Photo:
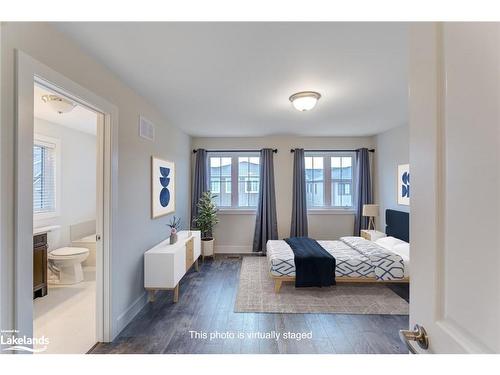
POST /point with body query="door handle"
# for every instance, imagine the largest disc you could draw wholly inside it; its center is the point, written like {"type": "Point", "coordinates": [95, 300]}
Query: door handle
{"type": "Point", "coordinates": [418, 334]}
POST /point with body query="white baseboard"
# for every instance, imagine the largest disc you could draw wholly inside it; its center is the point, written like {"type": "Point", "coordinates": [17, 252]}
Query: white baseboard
{"type": "Point", "coordinates": [129, 314]}
{"type": "Point", "coordinates": [233, 249]}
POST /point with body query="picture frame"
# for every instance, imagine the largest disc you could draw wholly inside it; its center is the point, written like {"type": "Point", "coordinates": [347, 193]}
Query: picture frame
{"type": "Point", "coordinates": [162, 187]}
{"type": "Point", "coordinates": [403, 185]}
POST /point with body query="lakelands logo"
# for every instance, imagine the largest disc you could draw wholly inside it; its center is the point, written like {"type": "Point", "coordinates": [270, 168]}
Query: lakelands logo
{"type": "Point", "coordinates": [14, 343]}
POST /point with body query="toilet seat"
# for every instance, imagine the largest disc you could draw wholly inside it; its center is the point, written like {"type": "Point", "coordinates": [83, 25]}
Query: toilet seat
{"type": "Point", "coordinates": [64, 252]}
{"type": "Point", "coordinates": [66, 262]}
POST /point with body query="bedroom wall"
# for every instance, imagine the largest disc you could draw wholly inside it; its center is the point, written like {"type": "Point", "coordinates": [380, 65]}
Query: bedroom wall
{"type": "Point", "coordinates": [392, 149]}
{"type": "Point", "coordinates": [234, 233]}
{"type": "Point", "coordinates": [135, 230]}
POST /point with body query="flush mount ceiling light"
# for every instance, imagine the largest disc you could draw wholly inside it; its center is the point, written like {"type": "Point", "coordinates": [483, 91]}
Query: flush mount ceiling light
{"type": "Point", "coordinates": [305, 100]}
{"type": "Point", "coordinates": [58, 104]}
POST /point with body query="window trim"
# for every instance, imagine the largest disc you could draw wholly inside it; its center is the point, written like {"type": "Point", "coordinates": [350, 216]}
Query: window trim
{"type": "Point", "coordinates": [331, 211]}
{"type": "Point", "coordinates": [55, 143]}
{"type": "Point", "coordinates": [237, 211]}
{"type": "Point", "coordinates": [328, 181]}
{"type": "Point", "coordinates": [234, 208]}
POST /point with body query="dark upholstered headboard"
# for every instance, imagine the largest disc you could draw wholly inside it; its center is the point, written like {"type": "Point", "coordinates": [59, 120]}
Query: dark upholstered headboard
{"type": "Point", "coordinates": [397, 224]}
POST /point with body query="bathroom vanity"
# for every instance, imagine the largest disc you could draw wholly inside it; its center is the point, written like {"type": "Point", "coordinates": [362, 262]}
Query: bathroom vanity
{"type": "Point", "coordinates": [40, 265]}
{"type": "Point", "coordinates": [40, 249]}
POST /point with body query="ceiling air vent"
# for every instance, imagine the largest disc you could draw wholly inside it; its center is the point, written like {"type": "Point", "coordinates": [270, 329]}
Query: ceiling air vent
{"type": "Point", "coordinates": [146, 129]}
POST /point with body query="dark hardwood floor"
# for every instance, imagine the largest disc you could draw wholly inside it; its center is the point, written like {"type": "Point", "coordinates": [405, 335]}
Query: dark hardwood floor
{"type": "Point", "coordinates": [206, 303]}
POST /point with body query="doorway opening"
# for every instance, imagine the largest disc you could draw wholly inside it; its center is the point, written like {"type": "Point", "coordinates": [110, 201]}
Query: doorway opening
{"type": "Point", "coordinates": [65, 211]}
{"type": "Point", "coordinates": [31, 76]}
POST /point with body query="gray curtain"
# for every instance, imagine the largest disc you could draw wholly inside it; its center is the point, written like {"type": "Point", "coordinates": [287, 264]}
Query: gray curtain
{"type": "Point", "coordinates": [266, 223]}
{"type": "Point", "coordinates": [299, 208]}
{"type": "Point", "coordinates": [200, 183]}
{"type": "Point", "coordinates": [363, 188]}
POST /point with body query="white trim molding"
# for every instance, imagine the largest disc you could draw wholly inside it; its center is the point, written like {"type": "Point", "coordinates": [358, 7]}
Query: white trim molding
{"type": "Point", "coordinates": [29, 71]}
{"type": "Point", "coordinates": [237, 211]}
{"type": "Point", "coordinates": [330, 211]}
{"type": "Point", "coordinates": [126, 317]}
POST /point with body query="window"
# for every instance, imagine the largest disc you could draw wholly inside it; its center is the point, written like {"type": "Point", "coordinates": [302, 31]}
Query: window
{"type": "Point", "coordinates": [342, 181]}
{"type": "Point", "coordinates": [248, 178]}
{"type": "Point", "coordinates": [329, 180]}
{"type": "Point", "coordinates": [44, 176]}
{"type": "Point", "coordinates": [215, 185]}
{"type": "Point", "coordinates": [251, 185]}
{"type": "Point", "coordinates": [314, 181]}
{"type": "Point", "coordinates": [220, 179]}
{"type": "Point", "coordinates": [234, 177]}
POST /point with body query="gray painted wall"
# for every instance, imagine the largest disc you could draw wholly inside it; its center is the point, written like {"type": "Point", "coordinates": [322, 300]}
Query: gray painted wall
{"type": "Point", "coordinates": [136, 230]}
{"type": "Point", "coordinates": [392, 149]}
{"type": "Point", "coordinates": [234, 233]}
{"type": "Point", "coordinates": [77, 180]}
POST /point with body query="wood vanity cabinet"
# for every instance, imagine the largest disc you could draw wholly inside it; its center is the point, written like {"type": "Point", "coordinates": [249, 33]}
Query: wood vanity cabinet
{"type": "Point", "coordinates": [39, 265]}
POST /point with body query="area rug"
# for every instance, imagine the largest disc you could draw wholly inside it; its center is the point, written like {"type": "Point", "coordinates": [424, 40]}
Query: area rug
{"type": "Point", "coordinates": [256, 294]}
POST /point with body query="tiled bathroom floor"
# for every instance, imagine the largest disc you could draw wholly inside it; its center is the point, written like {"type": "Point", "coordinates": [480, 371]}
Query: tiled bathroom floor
{"type": "Point", "coordinates": [66, 316]}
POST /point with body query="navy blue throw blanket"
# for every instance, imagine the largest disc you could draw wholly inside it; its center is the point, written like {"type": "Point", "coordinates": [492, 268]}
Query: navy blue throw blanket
{"type": "Point", "coordinates": [314, 266]}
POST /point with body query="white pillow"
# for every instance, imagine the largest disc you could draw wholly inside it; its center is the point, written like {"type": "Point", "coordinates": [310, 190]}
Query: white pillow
{"type": "Point", "coordinates": [402, 249]}
{"type": "Point", "coordinates": [389, 242]}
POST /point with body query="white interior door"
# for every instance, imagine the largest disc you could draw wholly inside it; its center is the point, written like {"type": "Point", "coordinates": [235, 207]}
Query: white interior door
{"type": "Point", "coordinates": [455, 166]}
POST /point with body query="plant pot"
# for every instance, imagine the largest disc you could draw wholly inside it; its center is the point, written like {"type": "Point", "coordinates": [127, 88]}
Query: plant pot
{"type": "Point", "coordinates": [207, 247]}
{"type": "Point", "coordinates": [173, 238]}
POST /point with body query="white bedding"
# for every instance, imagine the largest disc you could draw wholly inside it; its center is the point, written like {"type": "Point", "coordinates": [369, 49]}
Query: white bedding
{"type": "Point", "coordinates": [389, 242]}
{"type": "Point", "coordinates": [399, 247]}
{"type": "Point", "coordinates": [355, 257]}
{"type": "Point", "coordinates": [349, 262]}
{"type": "Point", "coordinates": [403, 250]}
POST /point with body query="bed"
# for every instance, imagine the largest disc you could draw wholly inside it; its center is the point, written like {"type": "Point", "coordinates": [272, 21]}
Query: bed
{"type": "Point", "coordinates": [357, 260]}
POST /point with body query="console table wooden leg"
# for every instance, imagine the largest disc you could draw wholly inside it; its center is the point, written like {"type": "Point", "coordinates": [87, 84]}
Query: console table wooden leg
{"type": "Point", "coordinates": [176, 293]}
{"type": "Point", "coordinates": [196, 265]}
{"type": "Point", "coordinates": [151, 295]}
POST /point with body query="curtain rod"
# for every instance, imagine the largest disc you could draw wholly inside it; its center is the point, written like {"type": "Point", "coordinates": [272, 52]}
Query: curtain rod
{"type": "Point", "coordinates": [293, 150]}
{"type": "Point", "coordinates": [275, 150]}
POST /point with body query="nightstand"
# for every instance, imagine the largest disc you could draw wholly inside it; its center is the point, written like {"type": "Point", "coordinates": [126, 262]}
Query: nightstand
{"type": "Point", "coordinates": [372, 235]}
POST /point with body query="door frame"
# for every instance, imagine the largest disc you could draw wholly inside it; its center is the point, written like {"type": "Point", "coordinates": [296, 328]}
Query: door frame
{"type": "Point", "coordinates": [28, 72]}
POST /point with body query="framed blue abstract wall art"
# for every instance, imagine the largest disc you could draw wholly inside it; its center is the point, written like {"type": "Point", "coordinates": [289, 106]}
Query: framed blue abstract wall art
{"type": "Point", "coordinates": [404, 184]}
{"type": "Point", "coordinates": [162, 187]}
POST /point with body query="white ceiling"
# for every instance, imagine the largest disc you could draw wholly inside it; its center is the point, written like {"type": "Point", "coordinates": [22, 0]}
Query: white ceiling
{"type": "Point", "coordinates": [80, 118]}
{"type": "Point", "coordinates": [234, 79]}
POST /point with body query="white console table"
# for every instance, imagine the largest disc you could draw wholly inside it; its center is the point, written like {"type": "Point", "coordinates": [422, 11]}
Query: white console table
{"type": "Point", "coordinates": [165, 264]}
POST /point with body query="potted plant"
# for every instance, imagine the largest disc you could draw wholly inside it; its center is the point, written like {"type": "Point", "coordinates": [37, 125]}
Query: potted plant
{"type": "Point", "coordinates": [205, 222]}
{"type": "Point", "coordinates": [174, 227]}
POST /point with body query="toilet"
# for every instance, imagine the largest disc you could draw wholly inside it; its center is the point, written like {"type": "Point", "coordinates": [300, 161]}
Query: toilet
{"type": "Point", "coordinates": [66, 263]}
{"type": "Point", "coordinates": [87, 242]}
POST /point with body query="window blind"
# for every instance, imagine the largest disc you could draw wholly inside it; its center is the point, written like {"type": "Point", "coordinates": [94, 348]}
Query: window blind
{"type": "Point", "coordinates": [44, 177]}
